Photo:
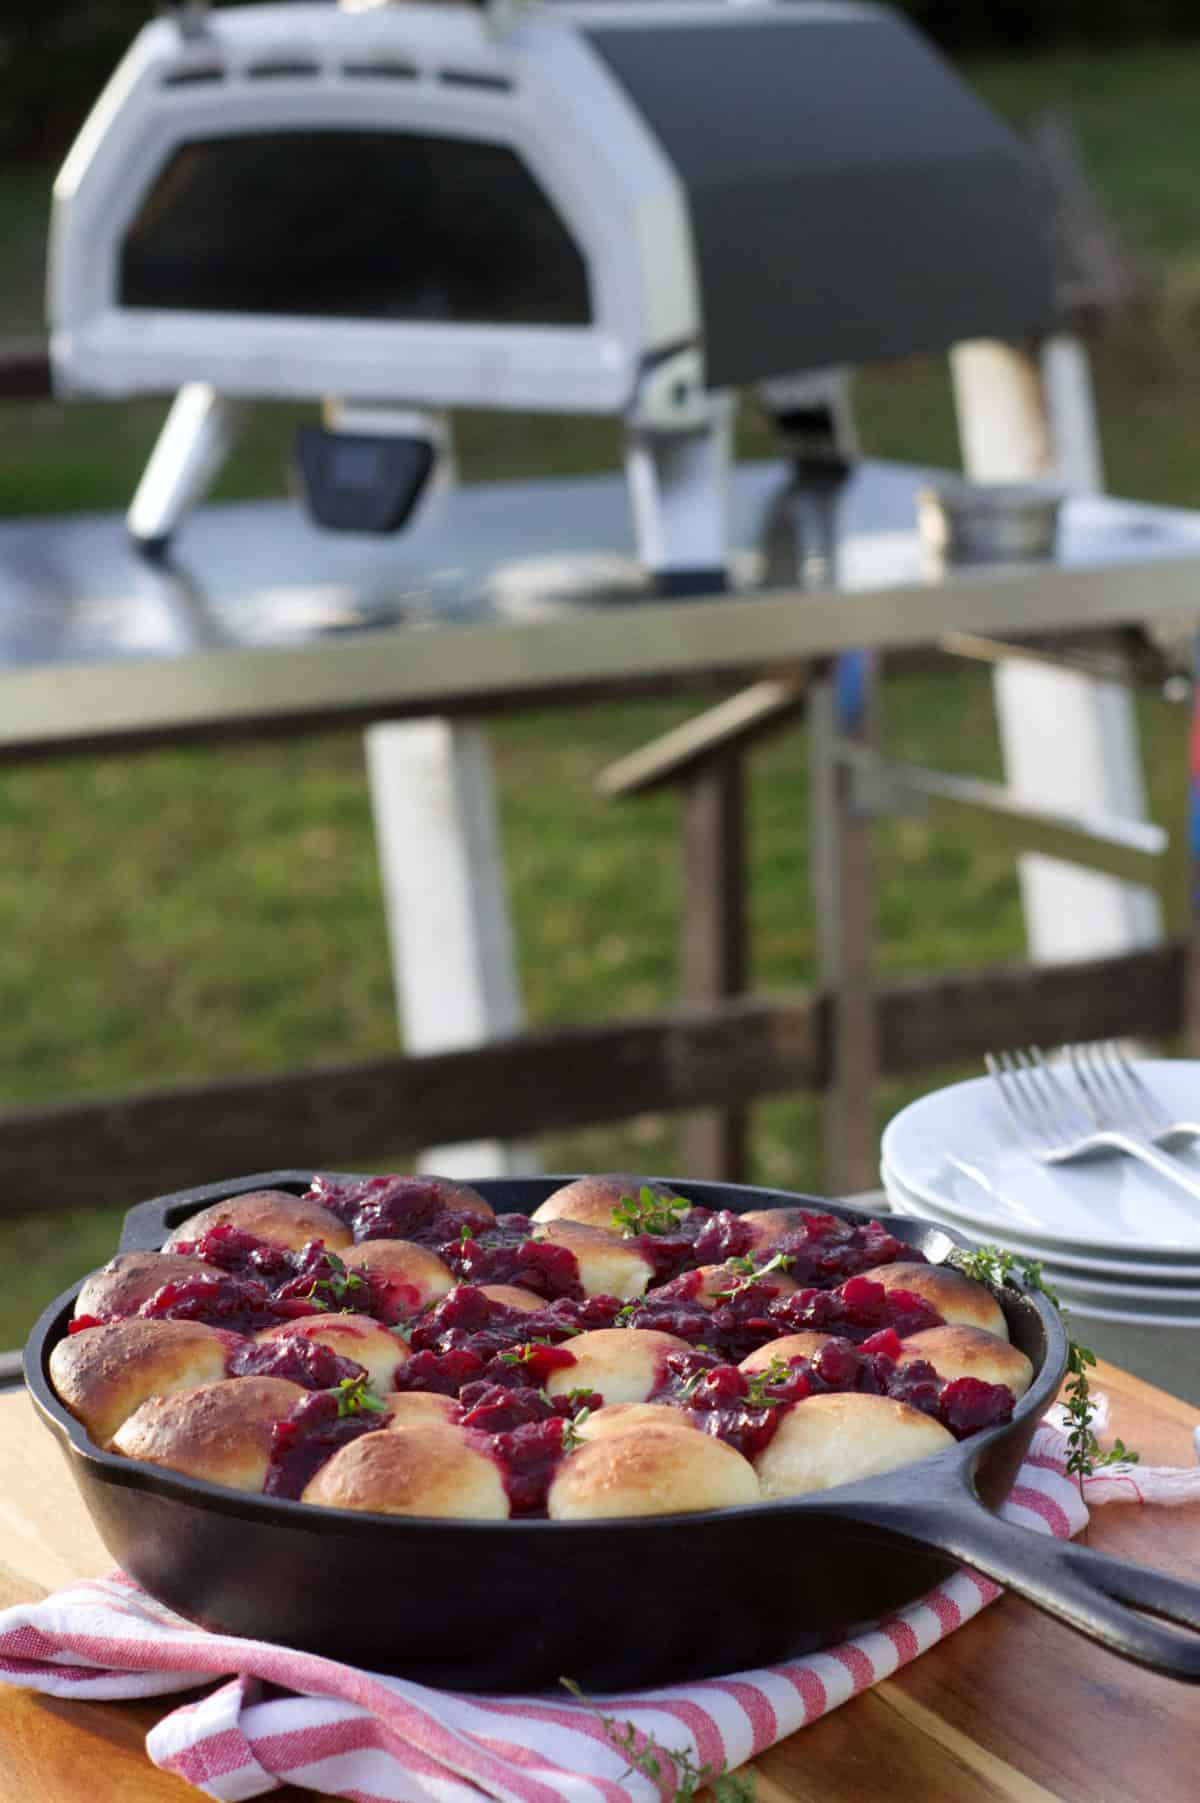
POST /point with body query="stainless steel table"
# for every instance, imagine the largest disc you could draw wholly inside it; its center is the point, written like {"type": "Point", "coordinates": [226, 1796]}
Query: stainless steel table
{"type": "Point", "coordinates": [503, 594]}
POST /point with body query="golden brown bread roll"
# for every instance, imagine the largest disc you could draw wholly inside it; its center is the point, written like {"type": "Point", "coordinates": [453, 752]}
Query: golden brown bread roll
{"type": "Point", "coordinates": [655, 1471]}
{"type": "Point", "coordinates": [716, 1282]}
{"type": "Point", "coordinates": [408, 1408]}
{"type": "Point", "coordinates": [510, 1295]}
{"type": "Point", "coordinates": [356, 1337]}
{"type": "Point", "coordinates": [631, 1417]}
{"type": "Point", "coordinates": [774, 1224]}
{"type": "Point", "coordinates": [956, 1298]}
{"type": "Point", "coordinates": [221, 1432]}
{"type": "Point", "coordinates": [272, 1215]}
{"type": "Point", "coordinates": [405, 1276]}
{"type": "Point", "coordinates": [104, 1373]}
{"type": "Point", "coordinates": [625, 1364]}
{"type": "Point", "coordinates": [789, 1346]}
{"type": "Point", "coordinates": [592, 1200]}
{"type": "Point", "coordinates": [608, 1265]}
{"type": "Point", "coordinates": [957, 1351]}
{"type": "Point", "coordinates": [427, 1469]}
{"type": "Point", "coordinates": [131, 1278]}
{"type": "Point", "coordinates": [837, 1439]}
{"type": "Point", "coordinates": [461, 1198]}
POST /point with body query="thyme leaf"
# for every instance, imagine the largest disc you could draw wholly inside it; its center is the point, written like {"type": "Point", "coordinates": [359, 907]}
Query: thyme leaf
{"type": "Point", "coordinates": [644, 1755]}
{"type": "Point", "coordinates": [355, 1398]}
{"type": "Point", "coordinates": [649, 1212]}
{"type": "Point", "coordinates": [990, 1264]}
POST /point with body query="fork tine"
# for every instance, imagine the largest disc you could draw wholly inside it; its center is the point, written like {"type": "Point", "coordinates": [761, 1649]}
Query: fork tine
{"type": "Point", "coordinates": [1002, 1073]}
{"type": "Point", "coordinates": [1107, 1079]}
{"type": "Point", "coordinates": [1141, 1097]}
{"type": "Point", "coordinates": [1042, 1102]}
{"type": "Point", "coordinates": [1080, 1064]}
{"type": "Point", "coordinates": [1069, 1115]}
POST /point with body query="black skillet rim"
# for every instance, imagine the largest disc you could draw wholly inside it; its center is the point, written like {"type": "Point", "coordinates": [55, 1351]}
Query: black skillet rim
{"type": "Point", "coordinates": [50, 1327]}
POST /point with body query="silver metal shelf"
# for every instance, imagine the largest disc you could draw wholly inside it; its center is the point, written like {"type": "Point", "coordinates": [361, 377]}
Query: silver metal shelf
{"type": "Point", "coordinates": [503, 594]}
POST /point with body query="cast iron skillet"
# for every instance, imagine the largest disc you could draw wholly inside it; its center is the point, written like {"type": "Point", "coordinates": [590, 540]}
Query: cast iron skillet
{"type": "Point", "coordinates": [612, 1604]}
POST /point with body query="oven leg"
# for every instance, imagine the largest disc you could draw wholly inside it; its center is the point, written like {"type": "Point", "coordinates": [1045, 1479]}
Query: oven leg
{"type": "Point", "coordinates": [197, 437]}
{"type": "Point", "coordinates": [679, 488]}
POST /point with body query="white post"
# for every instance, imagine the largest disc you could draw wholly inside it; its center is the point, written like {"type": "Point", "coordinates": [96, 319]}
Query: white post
{"type": "Point", "coordinates": [1069, 741]}
{"type": "Point", "coordinates": [447, 908]}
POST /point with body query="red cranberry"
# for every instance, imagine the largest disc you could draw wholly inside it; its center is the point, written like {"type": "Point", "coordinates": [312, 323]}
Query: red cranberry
{"type": "Point", "coordinates": [747, 1430]}
{"type": "Point", "coordinates": [837, 1364]}
{"type": "Point", "coordinates": [722, 1385]}
{"type": "Point", "coordinates": [967, 1404]}
{"type": "Point", "coordinates": [528, 1457]}
{"type": "Point", "coordinates": [722, 1237]}
{"type": "Point", "coordinates": [494, 1410]}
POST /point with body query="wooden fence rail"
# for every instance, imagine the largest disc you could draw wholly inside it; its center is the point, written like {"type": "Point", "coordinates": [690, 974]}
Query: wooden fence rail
{"type": "Point", "coordinates": [733, 1052]}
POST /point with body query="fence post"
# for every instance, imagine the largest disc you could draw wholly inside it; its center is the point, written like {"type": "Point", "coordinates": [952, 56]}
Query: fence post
{"type": "Point", "coordinates": [712, 947]}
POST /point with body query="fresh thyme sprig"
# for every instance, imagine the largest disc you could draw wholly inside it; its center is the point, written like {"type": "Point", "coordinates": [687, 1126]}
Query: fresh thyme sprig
{"type": "Point", "coordinates": [750, 1273]}
{"type": "Point", "coordinates": [990, 1264]}
{"type": "Point", "coordinates": [777, 1372]}
{"type": "Point", "coordinates": [649, 1212]}
{"type": "Point", "coordinates": [572, 1439]}
{"type": "Point", "coordinates": [646, 1756]}
{"type": "Point", "coordinates": [340, 1283]}
{"type": "Point", "coordinates": [354, 1398]}
{"type": "Point", "coordinates": [521, 1355]}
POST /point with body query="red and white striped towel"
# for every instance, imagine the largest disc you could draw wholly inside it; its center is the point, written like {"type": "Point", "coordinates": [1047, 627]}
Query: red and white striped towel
{"type": "Point", "coordinates": [289, 1717]}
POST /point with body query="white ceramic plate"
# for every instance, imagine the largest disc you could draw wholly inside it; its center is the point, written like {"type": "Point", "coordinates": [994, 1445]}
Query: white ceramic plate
{"type": "Point", "coordinates": [957, 1148]}
{"type": "Point", "coordinates": [1137, 1304]}
{"type": "Point", "coordinates": [1068, 1263]}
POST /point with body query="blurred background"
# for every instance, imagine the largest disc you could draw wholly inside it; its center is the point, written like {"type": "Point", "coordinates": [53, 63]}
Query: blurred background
{"type": "Point", "coordinates": [208, 912]}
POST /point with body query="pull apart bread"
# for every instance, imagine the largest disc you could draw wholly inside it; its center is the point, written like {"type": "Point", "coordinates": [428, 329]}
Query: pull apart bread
{"type": "Point", "coordinates": [392, 1345]}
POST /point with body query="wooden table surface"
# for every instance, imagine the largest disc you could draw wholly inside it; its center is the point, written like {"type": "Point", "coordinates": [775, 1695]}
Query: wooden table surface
{"type": "Point", "coordinates": [1013, 1706]}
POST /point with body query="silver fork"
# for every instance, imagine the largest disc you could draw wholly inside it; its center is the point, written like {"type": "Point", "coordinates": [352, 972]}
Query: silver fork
{"type": "Point", "coordinates": [1057, 1129]}
{"type": "Point", "coordinates": [1105, 1071]}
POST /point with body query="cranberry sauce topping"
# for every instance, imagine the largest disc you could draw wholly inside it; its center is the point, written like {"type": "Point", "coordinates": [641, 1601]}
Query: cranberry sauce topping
{"type": "Point", "coordinates": [827, 1250]}
{"type": "Point", "coordinates": [528, 1458]}
{"type": "Point", "coordinates": [745, 1408]}
{"type": "Point", "coordinates": [220, 1300]}
{"type": "Point", "coordinates": [467, 1320]}
{"type": "Point", "coordinates": [323, 1280]}
{"type": "Point", "coordinates": [310, 1433]}
{"type": "Point", "coordinates": [424, 1210]}
{"type": "Point", "coordinates": [384, 1208]}
{"type": "Point", "coordinates": [855, 1311]}
{"type": "Point", "coordinates": [302, 1361]}
{"type": "Point", "coordinates": [444, 1373]}
{"type": "Point", "coordinates": [231, 1249]}
{"type": "Point", "coordinates": [500, 1257]}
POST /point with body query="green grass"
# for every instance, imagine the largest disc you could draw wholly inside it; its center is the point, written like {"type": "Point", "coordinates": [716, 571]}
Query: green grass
{"type": "Point", "coordinates": [205, 912]}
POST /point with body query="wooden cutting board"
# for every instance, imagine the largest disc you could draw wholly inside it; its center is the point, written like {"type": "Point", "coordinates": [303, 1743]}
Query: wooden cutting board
{"type": "Point", "coordinates": [1011, 1707]}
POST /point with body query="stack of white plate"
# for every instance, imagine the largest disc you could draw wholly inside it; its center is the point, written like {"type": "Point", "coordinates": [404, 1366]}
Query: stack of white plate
{"type": "Point", "coordinates": [1119, 1244]}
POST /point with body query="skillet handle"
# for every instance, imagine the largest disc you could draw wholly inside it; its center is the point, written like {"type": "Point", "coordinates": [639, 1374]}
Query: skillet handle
{"type": "Point", "coordinates": [1137, 1612]}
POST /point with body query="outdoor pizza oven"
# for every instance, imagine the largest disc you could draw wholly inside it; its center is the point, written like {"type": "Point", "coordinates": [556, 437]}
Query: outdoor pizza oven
{"type": "Point", "coordinates": [627, 208]}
